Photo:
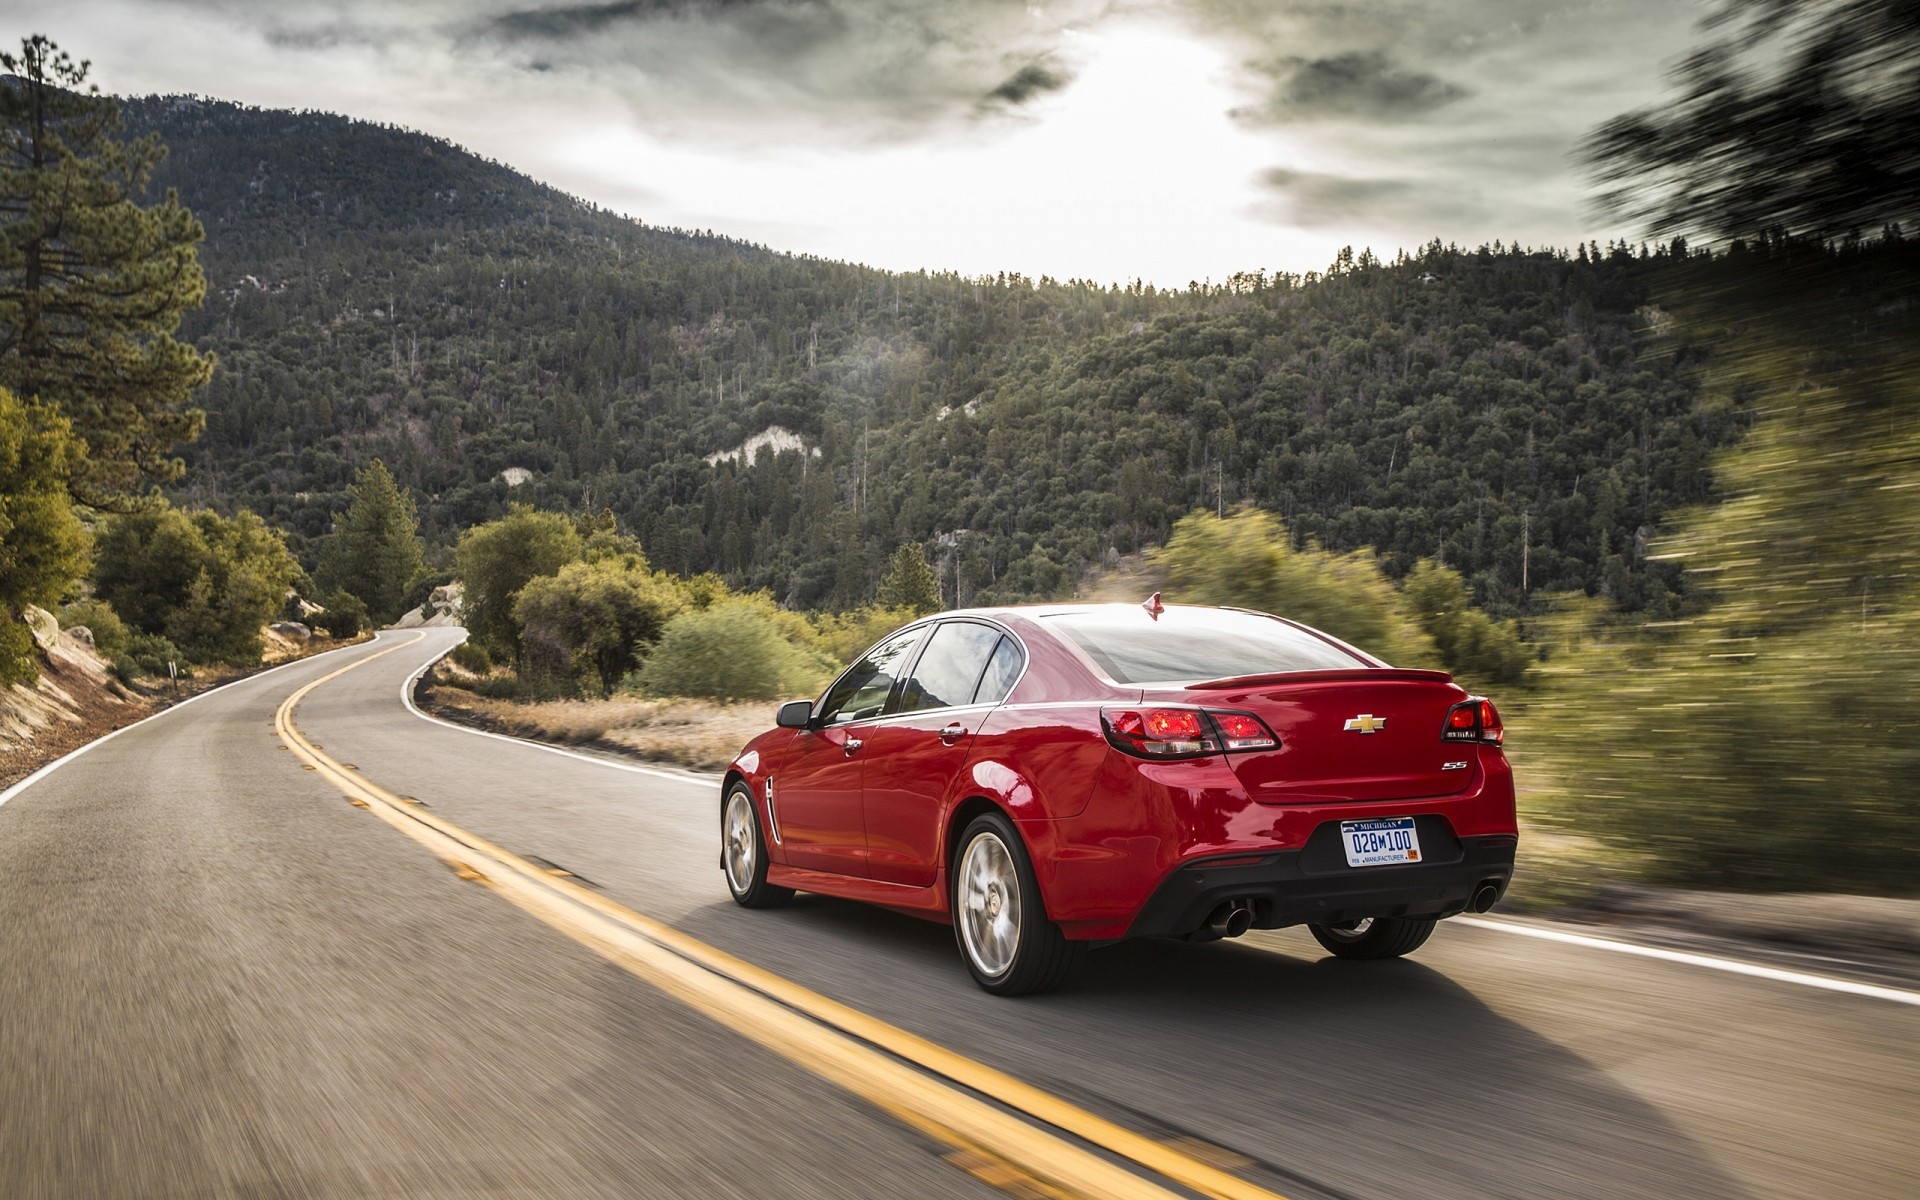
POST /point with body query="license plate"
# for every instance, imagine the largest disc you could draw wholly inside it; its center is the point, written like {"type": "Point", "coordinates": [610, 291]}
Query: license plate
{"type": "Point", "coordinates": [1377, 843]}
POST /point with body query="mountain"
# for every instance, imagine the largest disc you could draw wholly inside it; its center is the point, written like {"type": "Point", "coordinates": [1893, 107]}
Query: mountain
{"type": "Point", "coordinates": [376, 292]}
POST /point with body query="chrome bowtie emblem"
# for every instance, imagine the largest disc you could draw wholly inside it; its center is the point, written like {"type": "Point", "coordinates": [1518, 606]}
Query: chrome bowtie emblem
{"type": "Point", "coordinates": [1365, 723]}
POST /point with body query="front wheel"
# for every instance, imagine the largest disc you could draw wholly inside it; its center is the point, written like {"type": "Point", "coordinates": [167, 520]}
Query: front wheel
{"type": "Point", "coordinates": [743, 853]}
{"type": "Point", "coordinates": [1374, 937]}
{"type": "Point", "coordinates": [1009, 945]}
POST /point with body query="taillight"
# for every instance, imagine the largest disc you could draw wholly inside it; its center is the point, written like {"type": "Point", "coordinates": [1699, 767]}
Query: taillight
{"type": "Point", "coordinates": [1184, 732]}
{"type": "Point", "coordinates": [1473, 720]}
{"type": "Point", "coordinates": [1243, 731]}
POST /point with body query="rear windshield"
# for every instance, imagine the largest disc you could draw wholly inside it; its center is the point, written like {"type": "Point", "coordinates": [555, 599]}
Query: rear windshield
{"type": "Point", "coordinates": [1194, 644]}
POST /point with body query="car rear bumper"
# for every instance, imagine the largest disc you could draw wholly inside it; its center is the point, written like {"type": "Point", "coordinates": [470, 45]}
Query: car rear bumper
{"type": "Point", "coordinates": [1314, 885]}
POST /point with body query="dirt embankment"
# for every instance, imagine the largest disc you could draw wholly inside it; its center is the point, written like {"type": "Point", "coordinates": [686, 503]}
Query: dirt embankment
{"type": "Point", "coordinates": [75, 700]}
{"type": "Point", "coordinates": [77, 697]}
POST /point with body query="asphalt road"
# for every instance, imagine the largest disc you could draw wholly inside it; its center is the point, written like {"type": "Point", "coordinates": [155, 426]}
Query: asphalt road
{"type": "Point", "coordinates": [219, 978]}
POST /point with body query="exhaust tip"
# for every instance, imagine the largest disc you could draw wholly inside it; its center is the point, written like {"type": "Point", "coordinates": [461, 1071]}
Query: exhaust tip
{"type": "Point", "coordinates": [1239, 920]}
{"type": "Point", "coordinates": [1484, 896]}
{"type": "Point", "coordinates": [1230, 919]}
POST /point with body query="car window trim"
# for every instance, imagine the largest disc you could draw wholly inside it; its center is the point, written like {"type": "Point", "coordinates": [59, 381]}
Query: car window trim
{"type": "Point", "coordinates": [819, 703]}
{"type": "Point", "coordinates": [939, 623]}
{"type": "Point", "coordinates": [1026, 663]}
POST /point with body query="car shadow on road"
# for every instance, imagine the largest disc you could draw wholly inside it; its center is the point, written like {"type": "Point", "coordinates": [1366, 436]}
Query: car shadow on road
{"type": "Point", "coordinates": [1352, 1079]}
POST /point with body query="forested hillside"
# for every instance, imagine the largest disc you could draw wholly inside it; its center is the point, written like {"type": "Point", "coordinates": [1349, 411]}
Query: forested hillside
{"type": "Point", "coordinates": [376, 292]}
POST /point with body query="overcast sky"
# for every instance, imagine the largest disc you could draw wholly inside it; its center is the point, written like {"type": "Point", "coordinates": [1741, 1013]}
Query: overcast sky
{"type": "Point", "coordinates": [1166, 140]}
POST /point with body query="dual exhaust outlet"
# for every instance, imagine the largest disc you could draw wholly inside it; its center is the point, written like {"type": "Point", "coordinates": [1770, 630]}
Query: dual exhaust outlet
{"type": "Point", "coordinates": [1231, 918]}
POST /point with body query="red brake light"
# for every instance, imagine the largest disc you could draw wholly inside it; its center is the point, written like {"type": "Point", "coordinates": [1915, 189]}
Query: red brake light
{"type": "Point", "coordinates": [1243, 731]}
{"type": "Point", "coordinates": [1157, 732]}
{"type": "Point", "coordinates": [1169, 724]}
{"type": "Point", "coordinates": [1184, 732]}
{"type": "Point", "coordinates": [1473, 720]}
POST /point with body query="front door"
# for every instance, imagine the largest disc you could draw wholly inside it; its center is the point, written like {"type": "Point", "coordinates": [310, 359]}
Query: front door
{"type": "Point", "coordinates": [816, 791]}
{"type": "Point", "coordinates": [914, 753]}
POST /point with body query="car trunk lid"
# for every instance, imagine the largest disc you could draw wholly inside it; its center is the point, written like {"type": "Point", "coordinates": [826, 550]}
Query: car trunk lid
{"type": "Point", "coordinates": [1364, 734]}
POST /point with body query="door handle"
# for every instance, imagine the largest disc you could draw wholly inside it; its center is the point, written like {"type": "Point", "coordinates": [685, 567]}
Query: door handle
{"type": "Point", "coordinates": [852, 746]}
{"type": "Point", "coordinates": [953, 733]}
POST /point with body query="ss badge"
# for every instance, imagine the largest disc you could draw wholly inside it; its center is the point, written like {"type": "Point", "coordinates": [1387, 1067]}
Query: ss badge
{"type": "Point", "coordinates": [1453, 766]}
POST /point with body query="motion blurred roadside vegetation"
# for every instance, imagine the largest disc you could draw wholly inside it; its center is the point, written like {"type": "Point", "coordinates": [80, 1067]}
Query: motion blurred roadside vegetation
{"type": "Point", "coordinates": [1766, 736]}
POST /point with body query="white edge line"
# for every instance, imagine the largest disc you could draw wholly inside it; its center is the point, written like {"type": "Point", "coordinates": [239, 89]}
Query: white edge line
{"type": "Point", "coordinates": [406, 698]}
{"type": "Point", "coordinates": [68, 757]}
{"type": "Point", "coordinates": [1731, 965]}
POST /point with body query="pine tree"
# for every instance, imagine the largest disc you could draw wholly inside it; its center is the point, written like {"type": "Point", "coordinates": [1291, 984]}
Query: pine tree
{"type": "Point", "coordinates": [909, 581]}
{"type": "Point", "coordinates": [374, 552]}
{"type": "Point", "coordinates": [92, 285]}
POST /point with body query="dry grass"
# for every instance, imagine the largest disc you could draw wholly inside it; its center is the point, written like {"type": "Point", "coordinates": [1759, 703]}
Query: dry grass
{"type": "Point", "coordinates": [699, 734]}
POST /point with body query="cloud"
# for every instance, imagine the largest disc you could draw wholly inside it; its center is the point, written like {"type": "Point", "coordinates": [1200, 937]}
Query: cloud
{"type": "Point", "coordinates": [1029, 81]}
{"type": "Point", "coordinates": [770, 70]}
{"type": "Point", "coordinates": [575, 20]}
{"type": "Point", "coordinates": [1360, 83]}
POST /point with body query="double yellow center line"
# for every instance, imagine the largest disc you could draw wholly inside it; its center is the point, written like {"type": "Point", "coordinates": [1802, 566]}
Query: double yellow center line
{"type": "Point", "coordinates": [922, 1084]}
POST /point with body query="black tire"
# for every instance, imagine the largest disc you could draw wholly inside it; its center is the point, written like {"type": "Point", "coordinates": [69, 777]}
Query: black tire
{"type": "Point", "coordinates": [1378, 937]}
{"type": "Point", "coordinates": [1030, 955]}
{"type": "Point", "coordinates": [743, 852]}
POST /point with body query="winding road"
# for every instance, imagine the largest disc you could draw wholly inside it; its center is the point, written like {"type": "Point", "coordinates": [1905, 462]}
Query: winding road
{"type": "Point", "coordinates": [290, 941]}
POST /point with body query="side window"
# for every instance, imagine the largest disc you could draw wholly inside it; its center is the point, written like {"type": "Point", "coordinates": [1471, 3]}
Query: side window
{"type": "Point", "coordinates": [862, 692]}
{"type": "Point", "coordinates": [949, 667]}
{"type": "Point", "coordinates": [1002, 669]}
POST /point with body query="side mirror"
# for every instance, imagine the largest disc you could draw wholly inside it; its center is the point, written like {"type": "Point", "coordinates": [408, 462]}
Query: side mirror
{"type": "Point", "coordinates": [794, 714]}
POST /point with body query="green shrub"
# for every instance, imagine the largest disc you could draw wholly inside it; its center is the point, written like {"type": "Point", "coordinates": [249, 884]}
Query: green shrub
{"type": "Point", "coordinates": [731, 650]}
{"type": "Point", "coordinates": [109, 632]}
{"type": "Point", "coordinates": [207, 583]}
{"type": "Point", "coordinates": [1248, 559]}
{"type": "Point", "coordinates": [149, 654]}
{"type": "Point", "coordinates": [344, 615]}
{"type": "Point", "coordinates": [473, 656]}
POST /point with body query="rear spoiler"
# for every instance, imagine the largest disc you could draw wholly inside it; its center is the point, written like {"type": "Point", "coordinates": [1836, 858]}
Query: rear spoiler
{"type": "Point", "coordinates": [1234, 683]}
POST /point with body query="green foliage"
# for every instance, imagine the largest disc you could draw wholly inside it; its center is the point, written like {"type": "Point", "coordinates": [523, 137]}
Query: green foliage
{"type": "Point", "coordinates": [497, 559]}
{"type": "Point", "coordinates": [43, 546]}
{"type": "Point", "coordinates": [344, 615]}
{"type": "Point", "coordinates": [595, 618]}
{"type": "Point", "coordinates": [473, 656]}
{"type": "Point", "coordinates": [909, 582]}
{"type": "Point", "coordinates": [1248, 560]}
{"type": "Point", "coordinates": [733, 649]}
{"type": "Point", "coordinates": [1767, 739]}
{"type": "Point", "coordinates": [149, 654]}
{"type": "Point", "coordinates": [1472, 644]}
{"type": "Point", "coordinates": [110, 634]}
{"type": "Point", "coordinates": [93, 284]}
{"type": "Point", "coordinates": [839, 638]}
{"type": "Point", "coordinates": [206, 582]}
{"type": "Point", "coordinates": [375, 551]}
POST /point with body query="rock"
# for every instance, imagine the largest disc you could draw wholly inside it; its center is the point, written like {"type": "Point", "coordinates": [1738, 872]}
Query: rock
{"type": "Point", "coordinates": [291, 629]}
{"type": "Point", "coordinates": [46, 628]}
{"type": "Point", "coordinates": [81, 634]}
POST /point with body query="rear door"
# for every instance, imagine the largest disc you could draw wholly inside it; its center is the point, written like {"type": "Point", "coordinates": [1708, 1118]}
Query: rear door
{"type": "Point", "coordinates": [816, 794]}
{"type": "Point", "coordinates": [914, 753]}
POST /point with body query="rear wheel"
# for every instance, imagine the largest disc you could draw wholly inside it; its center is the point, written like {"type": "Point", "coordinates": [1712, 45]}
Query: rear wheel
{"type": "Point", "coordinates": [1374, 937]}
{"type": "Point", "coordinates": [743, 853]}
{"type": "Point", "coordinates": [1009, 945]}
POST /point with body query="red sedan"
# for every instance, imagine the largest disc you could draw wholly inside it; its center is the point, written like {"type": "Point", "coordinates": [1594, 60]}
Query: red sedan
{"type": "Point", "coordinates": [1053, 777]}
